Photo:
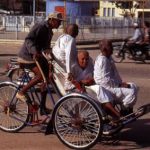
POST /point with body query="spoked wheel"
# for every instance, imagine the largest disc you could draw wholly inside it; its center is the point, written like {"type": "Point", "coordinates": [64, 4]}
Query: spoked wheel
{"type": "Point", "coordinates": [13, 113]}
{"type": "Point", "coordinates": [77, 122]}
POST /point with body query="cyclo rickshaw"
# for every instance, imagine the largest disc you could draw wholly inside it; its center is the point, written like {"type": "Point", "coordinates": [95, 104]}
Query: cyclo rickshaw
{"type": "Point", "coordinates": [78, 119]}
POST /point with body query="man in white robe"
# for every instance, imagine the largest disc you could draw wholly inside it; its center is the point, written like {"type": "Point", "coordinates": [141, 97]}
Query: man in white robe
{"type": "Point", "coordinates": [65, 50]}
{"type": "Point", "coordinates": [82, 71]}
{"type": "Point", "coordinates": [111, 88]}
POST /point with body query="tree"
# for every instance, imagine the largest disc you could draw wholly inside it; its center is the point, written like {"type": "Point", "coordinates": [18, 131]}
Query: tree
{"type": "Point", "coordinates": [128, 7]}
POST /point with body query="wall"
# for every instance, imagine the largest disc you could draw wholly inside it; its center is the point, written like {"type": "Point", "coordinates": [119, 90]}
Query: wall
{"type": "Point", "coordinates": [74, 9]}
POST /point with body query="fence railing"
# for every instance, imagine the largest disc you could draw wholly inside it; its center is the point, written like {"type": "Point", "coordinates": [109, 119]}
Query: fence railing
{"type": "Point", "coordinates": [17, 27]}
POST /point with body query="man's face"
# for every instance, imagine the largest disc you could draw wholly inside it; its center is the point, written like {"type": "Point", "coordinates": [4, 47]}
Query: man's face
{"type": "Point", "coordinates": [83, 59]}
{"type": "Point", "coordinates": [55, 23]}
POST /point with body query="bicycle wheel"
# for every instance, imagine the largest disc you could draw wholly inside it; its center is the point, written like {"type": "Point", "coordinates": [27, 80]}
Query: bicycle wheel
{"type": "Point", "coordinates": [77, 122]}
{"type": "Point", "coordinates": [13, 113]}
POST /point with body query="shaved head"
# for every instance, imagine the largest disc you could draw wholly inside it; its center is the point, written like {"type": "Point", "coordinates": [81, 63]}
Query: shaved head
{"type": "Point", "coordinates": [72, 29]}
{"type": "Point", "coordinates": [106, 47]}
{"type": "Point", "coordinates": [83, 52]}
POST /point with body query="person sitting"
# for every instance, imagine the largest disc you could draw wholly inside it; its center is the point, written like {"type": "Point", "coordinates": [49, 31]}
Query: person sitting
{"type": "Point", "coordinates": [132, 42]}
{"type": "Point", "coordinates": [137, 36]}
{"type": "Point", "coordinates": [37, 41]}
{"type": "Point", "coordinates": [142, 42]}
{"type": "Point", "coordinates": [82, 72]}
{"type": "Point", "coordinates": [111, 89]}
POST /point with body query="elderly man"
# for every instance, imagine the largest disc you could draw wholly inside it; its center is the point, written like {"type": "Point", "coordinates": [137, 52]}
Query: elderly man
{"type": "Point", "coordinates": [65, 48]}
{"type": "Point", "coordinates": [82, 71]}
{"type": "Point", "coordinates": [111, 88]}
{"type": "Point", "coordinates": [37, 41]}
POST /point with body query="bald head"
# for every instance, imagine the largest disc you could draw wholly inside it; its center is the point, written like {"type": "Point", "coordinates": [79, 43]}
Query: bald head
{"type": "Point", "coordinates": [83, 58]}
{"type": "Point", "coordinates": [106, 47]}
{"type": "Point", "coordinates": [72, 29]}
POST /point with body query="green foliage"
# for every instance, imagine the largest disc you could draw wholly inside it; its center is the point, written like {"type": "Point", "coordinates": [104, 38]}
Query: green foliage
{"type": "Point", "coordinates": [124, 5]}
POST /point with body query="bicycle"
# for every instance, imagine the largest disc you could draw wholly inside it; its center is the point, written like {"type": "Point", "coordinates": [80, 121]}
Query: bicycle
{"type": "Point", "coordinates": [78, 119]}
{"type": "Point", "coordinates": [20, 114]}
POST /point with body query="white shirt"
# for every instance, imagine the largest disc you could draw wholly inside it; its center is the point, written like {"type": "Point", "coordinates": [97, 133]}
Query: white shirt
{"type": "Point", "coordinates": [105, 72]}
{"type": "Point", "coordinates": [65, 50]}
{"type": "Point", "coordinates": [80, 74]}
{"type": "Point", "coordinates": [137, 37]}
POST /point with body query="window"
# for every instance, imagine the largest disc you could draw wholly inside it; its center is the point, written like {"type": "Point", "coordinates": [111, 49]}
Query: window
{"type": "Point", "coordinates": [113, 12]}
{"type": "Point", "coordinates": [104, 12]}
{"type": "Point", "coordinates": [109, 12]}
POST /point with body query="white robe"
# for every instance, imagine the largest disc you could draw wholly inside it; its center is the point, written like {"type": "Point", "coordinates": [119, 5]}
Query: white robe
{"type": "Point", "coordinates": [80, 74]}
{"type": "Point", "coordinates": [65, 51]}
{"type": "Point", "coordinates": [108, 79]}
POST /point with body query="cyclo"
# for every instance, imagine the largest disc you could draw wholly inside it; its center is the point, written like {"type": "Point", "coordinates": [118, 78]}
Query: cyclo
{"type": "Point", "coordinates": [78, 119]}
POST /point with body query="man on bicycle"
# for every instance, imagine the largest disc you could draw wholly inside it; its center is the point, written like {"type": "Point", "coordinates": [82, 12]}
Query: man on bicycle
{"type": "Point", "coordinates": [37, 41]}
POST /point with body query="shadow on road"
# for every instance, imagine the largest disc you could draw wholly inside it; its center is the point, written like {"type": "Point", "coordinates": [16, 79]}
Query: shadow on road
{"type": "Point", "coordinates": [134, 136]}
{"type": "Point", "coordinates": [138, 132]}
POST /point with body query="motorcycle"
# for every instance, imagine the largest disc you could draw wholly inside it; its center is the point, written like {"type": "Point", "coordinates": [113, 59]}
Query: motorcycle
{"type": "Point", "coordinates": [137, 54]}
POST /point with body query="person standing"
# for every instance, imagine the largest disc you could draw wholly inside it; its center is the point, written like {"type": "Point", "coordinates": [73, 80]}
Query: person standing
{"type": "Point", "coordinates": [64, 50]}
{"type": "Point", "coordinates": [37, 41]}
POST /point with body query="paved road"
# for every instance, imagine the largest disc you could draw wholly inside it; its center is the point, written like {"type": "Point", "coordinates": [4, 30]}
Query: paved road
{"type": "Point", "coordinates": [135, 136]}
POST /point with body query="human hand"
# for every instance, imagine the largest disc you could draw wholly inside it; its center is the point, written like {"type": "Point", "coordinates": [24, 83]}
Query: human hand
{"type": "Point", "coordinates": [125, 85]}
{"type": "Point", "coordinates": [48, 54]}
{"type": "Point", "coordinates": [78, 86]}
{"type": "Point", "coordinates": [70, 76]}
{"type": "Point", "coordinates": [88, 81]}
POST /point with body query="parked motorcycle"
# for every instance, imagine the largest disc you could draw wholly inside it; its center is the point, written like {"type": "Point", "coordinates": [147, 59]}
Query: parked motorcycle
{"type": "Point", "coordinates": [140, 54]}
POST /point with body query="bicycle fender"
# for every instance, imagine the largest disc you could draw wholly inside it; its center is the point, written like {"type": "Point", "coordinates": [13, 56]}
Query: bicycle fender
{"type": "Point", "coordinates": [10, 71]}
{"type": "Point", "coordinates": [8, 83]}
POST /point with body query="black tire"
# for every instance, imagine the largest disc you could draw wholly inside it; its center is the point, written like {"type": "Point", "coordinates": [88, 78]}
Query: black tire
{"type": "Point", "coordinates": [77, 122]}
{"type": "Point", "coordinates": [13, 113]}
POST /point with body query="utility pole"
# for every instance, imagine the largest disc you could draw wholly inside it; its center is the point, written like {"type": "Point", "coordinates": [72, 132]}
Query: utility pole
{"type": "Point", "coordinates": [65, 13]}
{"type": "Point", "coordinates": [33, 12]}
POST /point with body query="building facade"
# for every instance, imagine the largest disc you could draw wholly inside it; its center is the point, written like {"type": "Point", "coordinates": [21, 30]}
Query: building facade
{"type": "Point", "coordinates": [74, 8]}
{"type": "Point", "coordinates": [109, 9]}
{"type": "Point", "coordinates": [22, 7]}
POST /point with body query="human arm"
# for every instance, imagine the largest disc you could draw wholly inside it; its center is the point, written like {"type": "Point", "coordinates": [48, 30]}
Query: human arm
{"type": "Point", "coordinates": [104, 73]}
{"type": "Point", "coordinates": [71, 54]}
{"type": "Point", "coordinates": [87, 82]}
